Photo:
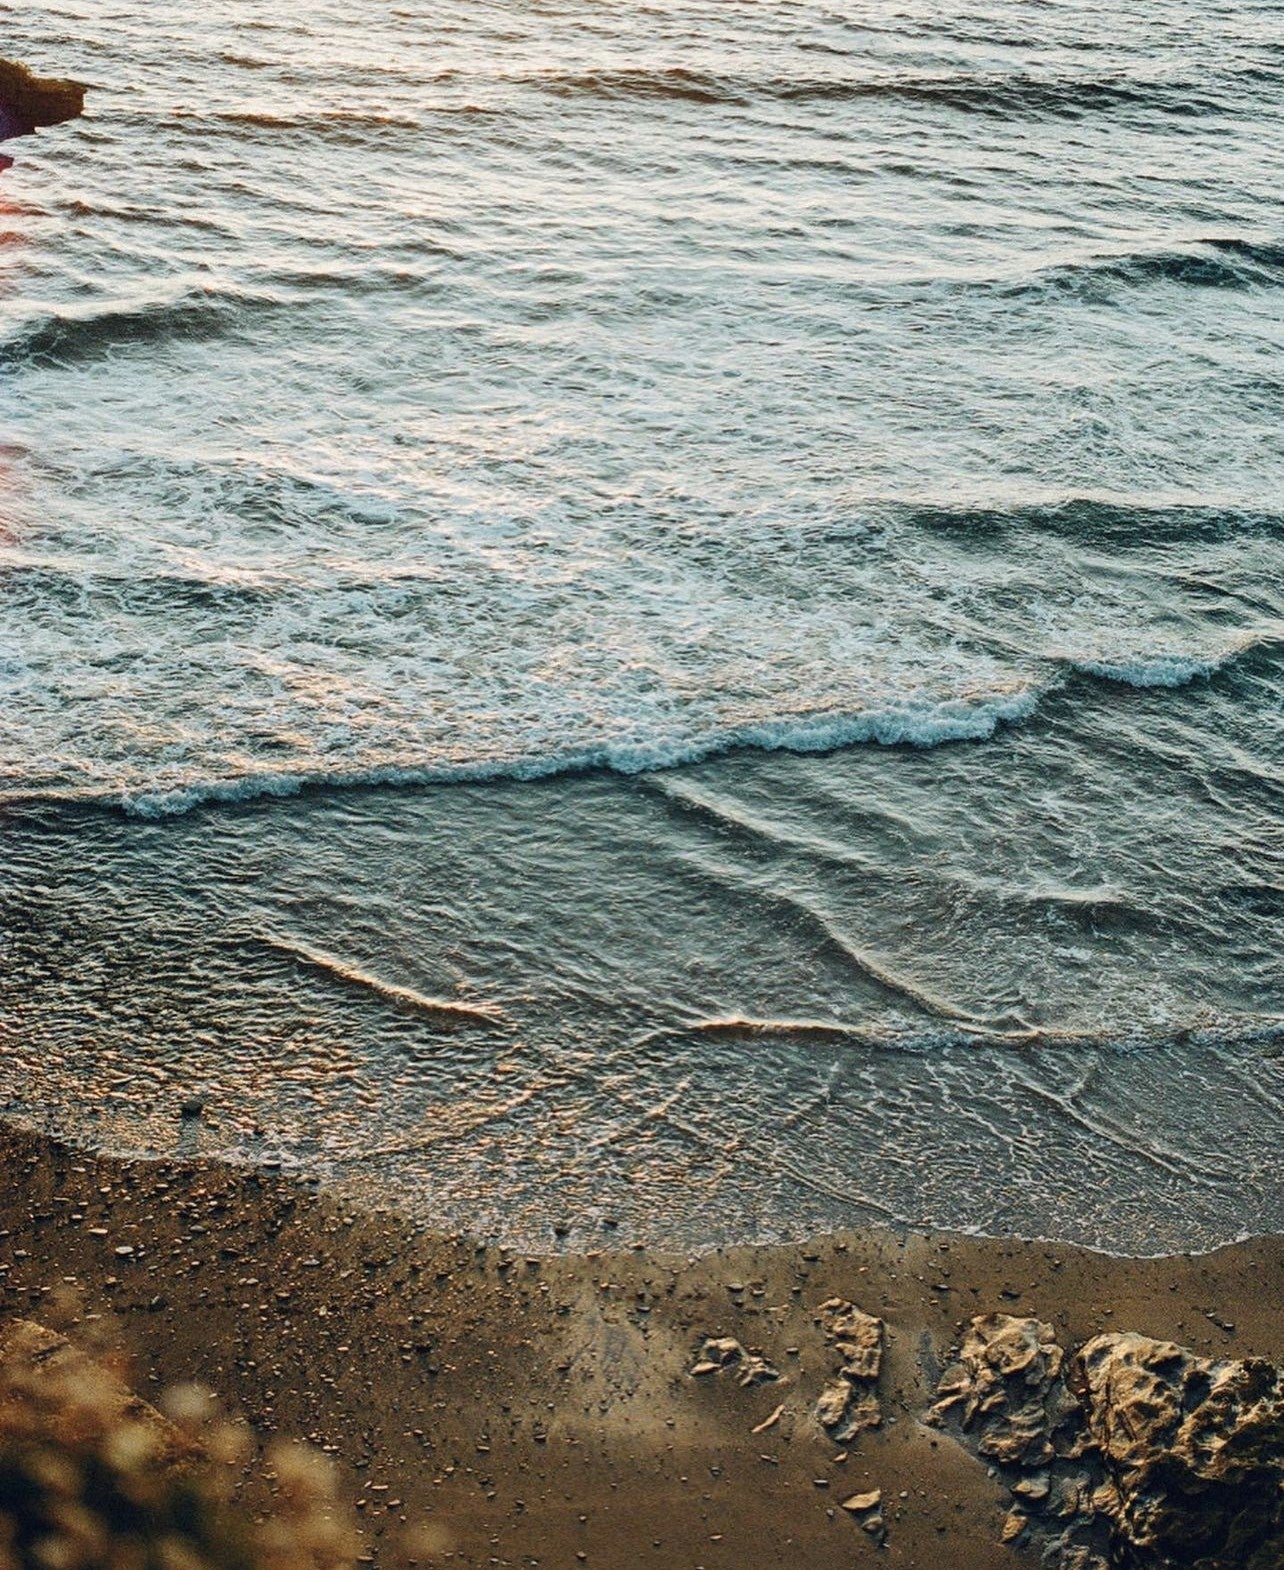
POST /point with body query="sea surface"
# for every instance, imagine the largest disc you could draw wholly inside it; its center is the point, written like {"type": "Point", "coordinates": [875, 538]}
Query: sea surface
{"type": "Point", "coordinates": [657, 621]}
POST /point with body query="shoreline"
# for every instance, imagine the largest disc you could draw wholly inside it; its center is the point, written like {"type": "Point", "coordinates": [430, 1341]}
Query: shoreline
{"type": "Point", "coordinates": [541, 1409]}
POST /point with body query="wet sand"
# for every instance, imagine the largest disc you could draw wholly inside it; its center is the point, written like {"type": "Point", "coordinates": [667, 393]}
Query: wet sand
{"type": "Point", "coordinates": [488, 1408]}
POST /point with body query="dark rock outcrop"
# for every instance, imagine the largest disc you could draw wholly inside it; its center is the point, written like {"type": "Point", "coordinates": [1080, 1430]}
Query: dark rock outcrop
{"type": "Point", "coordinates": [29, 102]}
{"type": "Point", "coordinates": [1132, 1453]}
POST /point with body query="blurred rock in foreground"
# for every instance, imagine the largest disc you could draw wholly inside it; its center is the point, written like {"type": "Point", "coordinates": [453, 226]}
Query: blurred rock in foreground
{"type": "Point", "coordinates": [93, 1478]}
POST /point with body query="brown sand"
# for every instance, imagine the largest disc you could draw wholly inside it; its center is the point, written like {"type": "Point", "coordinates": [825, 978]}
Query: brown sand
{"type": "Point", "coordinates": [489, 1409]}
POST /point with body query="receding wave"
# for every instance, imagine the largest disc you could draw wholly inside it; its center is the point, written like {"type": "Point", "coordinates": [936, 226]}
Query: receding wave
{"type": "Point", "coordinates": [987, 93]}
{"type": "Point", "coordinates": [440, 1011]}
{"type": "Point", "coordinates": [821, 1032]}
{"type": "Point", "coordinates": [62, 340]}
{"type": "Point", "coordinates": [1262, 1032]}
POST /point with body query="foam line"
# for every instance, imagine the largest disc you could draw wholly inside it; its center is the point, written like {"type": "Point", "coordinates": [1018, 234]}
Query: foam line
{"type": "Point", "coordinates": [439, 1010]}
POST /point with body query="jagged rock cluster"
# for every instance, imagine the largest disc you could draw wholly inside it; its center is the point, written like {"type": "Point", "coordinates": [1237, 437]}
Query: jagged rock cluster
{"type": "Point", "coordinates": [1193, 1450]}
{"type": "Point", "coordinates": [1008, 1389]}
{"type": "Point", "coordinates": [849, 1404]}
{"type": "Point", "coordinates": [722, 1352]}
{"type": "Point", "coordinates": [1133, 1452]}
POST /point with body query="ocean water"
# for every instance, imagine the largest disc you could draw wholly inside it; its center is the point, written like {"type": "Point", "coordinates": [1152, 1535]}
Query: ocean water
{"type": "Point", "coordinates": [662, 617]}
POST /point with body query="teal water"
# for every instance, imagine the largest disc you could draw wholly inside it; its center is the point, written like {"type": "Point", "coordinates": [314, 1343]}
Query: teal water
{"type": "Point", "coordinates": [656, 616]}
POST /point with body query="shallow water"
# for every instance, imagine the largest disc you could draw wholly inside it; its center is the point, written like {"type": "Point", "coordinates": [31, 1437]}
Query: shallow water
{"type": "Point", "coordinates": [756, 531]}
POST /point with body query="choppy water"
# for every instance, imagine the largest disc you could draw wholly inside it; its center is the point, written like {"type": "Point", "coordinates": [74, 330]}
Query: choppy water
{"type": "Point", "coordinates": [756, 529]}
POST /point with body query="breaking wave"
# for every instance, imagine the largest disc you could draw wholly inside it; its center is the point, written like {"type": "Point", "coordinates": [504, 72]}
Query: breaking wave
{"type": "Point", "coordinates": [896, 725]}
{"type": "Point", "coordinates": [1176, 670]}
{"type": "Point", "coordinates": [908, 723]}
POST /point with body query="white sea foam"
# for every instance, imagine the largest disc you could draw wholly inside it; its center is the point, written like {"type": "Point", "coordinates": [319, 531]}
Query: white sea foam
{"type": "Point", "coordinates": [500, 455]}
{"type": "Point", "coordinates": [907, 723]}
{"type": "Point", "coordinates": [904, 725]}
{"type": "Point", "coordinates": [1162, 670]}
{"type": "Point", "coordinates": [160, 691]}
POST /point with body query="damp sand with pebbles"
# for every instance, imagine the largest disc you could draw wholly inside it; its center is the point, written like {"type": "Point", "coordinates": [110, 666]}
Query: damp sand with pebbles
{"type": "Point", "coordinates": [514, 1409]}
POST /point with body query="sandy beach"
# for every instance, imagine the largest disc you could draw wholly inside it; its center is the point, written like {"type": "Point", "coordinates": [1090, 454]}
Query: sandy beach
{"type": "Point", "coordinates": [484, 1408]}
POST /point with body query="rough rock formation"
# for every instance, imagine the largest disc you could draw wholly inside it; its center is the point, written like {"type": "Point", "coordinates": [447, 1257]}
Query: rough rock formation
{"type": "Point", "coordinates": [722, 1352]}
{"type": "Point", "coordinates": [849, 1404]}
{"type": "Point", "coordinates": [1007, 1385]}
{"type": "Point", "coordinates": [1193, 1451]}
{"type": "Point", "coordinates": [28, 102]}
{"type": "Point", "coordinates": [1132, 1453]}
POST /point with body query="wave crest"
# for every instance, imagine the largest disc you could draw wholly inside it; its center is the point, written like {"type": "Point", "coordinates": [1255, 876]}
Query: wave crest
{"type": "Point", "coordinates": [907, 724]}
{"type": "Point", "coordinates": [983, 93]}
{"type": "Point", "coordinates": [898, 724]}
{"type": "Point", "coordinates": [65, 340]}
{"type": "Point", "coordinates": [1217, 263]}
